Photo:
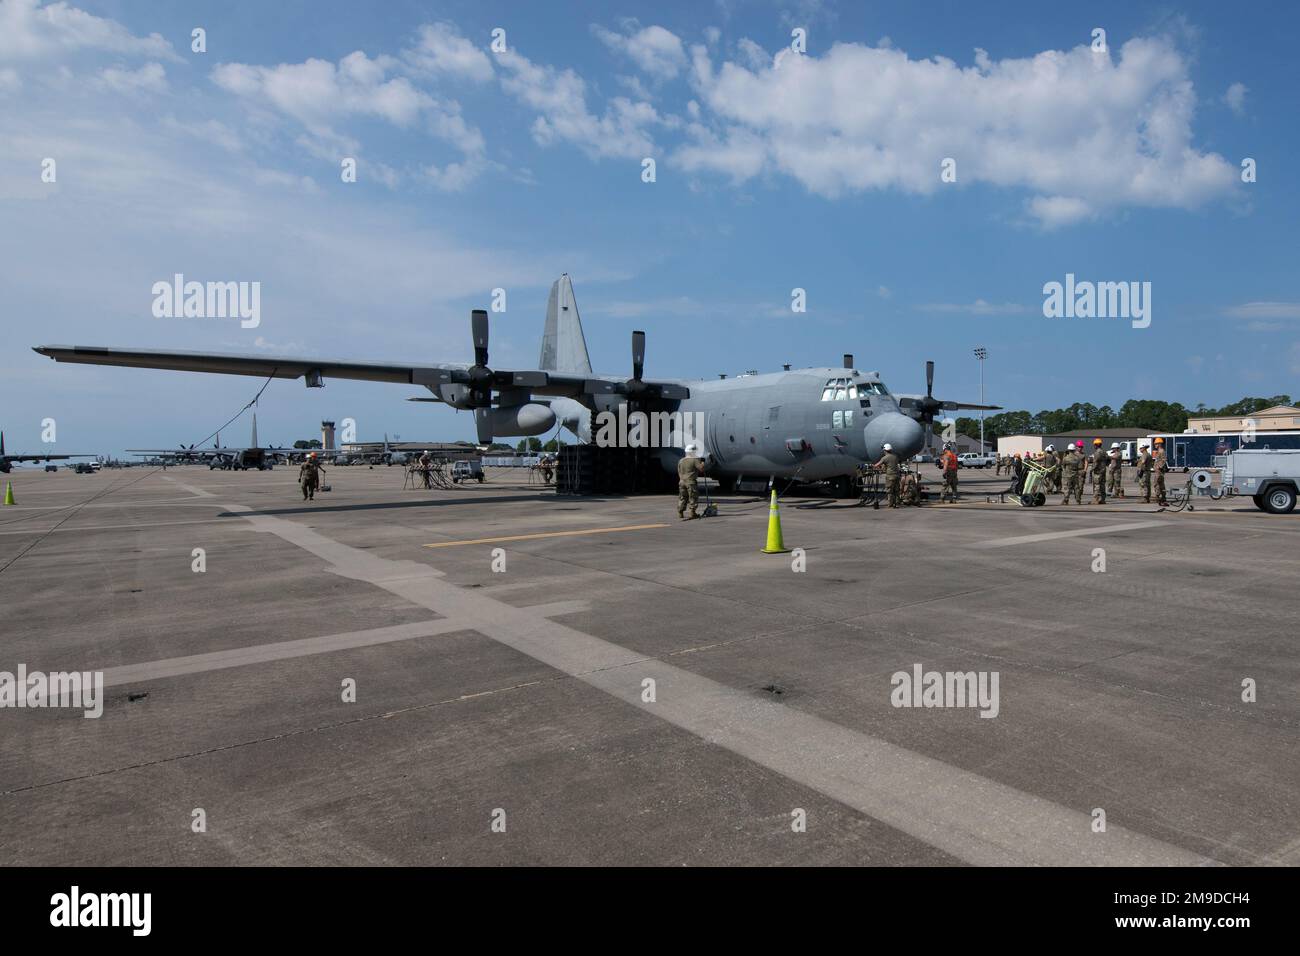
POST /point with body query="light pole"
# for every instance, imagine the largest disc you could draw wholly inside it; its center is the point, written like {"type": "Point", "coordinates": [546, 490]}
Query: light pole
{"type": "Point", "coordinates": [981, 354]}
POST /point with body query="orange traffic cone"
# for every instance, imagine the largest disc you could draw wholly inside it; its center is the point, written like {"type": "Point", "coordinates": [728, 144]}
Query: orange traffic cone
{"type": "Point", "coordinates": [9, 492]}
{"type": "Point", "coordinates": [775, 543]}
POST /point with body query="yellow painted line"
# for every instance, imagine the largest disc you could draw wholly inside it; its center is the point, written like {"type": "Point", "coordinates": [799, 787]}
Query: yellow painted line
{"type": "Point", "coordinates": [544, 534]}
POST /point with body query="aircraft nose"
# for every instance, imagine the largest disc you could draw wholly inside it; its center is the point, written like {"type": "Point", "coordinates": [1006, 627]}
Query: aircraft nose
{"type": "Point", "coordinates": [901, 431]}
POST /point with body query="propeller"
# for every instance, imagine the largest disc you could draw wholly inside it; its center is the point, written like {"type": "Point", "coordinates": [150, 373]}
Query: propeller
{"type": "Point", "coordinates": [929, 405]}
{"type": "Point", "coordinates": [481, 379]}
{"type": "Point", "coordinates": [635, 387]}
{"type": "Point", "coordinates": [926, 406]}
{"type": "Point", "coordinates": [483, 424]}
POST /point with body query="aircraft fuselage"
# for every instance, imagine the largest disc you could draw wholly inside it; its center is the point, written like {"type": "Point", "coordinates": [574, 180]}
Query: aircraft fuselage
{"type": "Point", "coordinates": [813, 424]}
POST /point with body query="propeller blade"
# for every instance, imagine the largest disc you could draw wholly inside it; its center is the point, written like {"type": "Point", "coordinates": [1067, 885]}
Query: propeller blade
{"type": "Point", "coordinates": [483, 424]}
{"type": "Point", "coordinates": [478, 321]}
{"type": "Point", "coordinates": [929, 379]}
{"type": "Point", "coordinates": [638, 355]}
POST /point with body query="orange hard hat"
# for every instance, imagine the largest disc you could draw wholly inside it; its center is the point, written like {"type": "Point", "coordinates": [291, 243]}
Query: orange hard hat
{"type": "Point", "coordinates": [1096, 441]}
{"type": "Point", "coordinates": [1160, 441]}
{"type": "Point", "coordinates": [313, 454]}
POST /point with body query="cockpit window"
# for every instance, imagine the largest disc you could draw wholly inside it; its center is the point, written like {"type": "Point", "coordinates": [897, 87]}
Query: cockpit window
{"type": "Point", "coordinates": [842, 389]}
{"type": "Point", "coordinates": [874, 388]}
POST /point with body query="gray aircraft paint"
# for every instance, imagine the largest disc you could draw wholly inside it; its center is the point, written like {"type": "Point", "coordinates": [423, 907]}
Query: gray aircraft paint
{"type": "Point", "coordinates": [564, 347]}
{"type": "Point", "coordinates": [742, 433]}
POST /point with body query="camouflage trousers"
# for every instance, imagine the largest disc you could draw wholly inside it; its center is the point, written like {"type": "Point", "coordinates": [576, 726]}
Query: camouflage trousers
{"type": "Point", "coordinates": [949, 485]}
{"type": "Point", "coordinates": [1144, 480]}
{"type": "Point", "coordinates": [308, 488]}
{"type": "Point", "coordinates": [1116, 481]}
{"type": "Point", "coordinates": [1098, 489]}
{"type": "Point", "coordinates": [892, 483]}
{"type": "Point", "coordinates": [688, 495]}
{"type": "Point", "coordinates": [1160, 488]}
{"type": "Point", "coordinates": [1072, 484]}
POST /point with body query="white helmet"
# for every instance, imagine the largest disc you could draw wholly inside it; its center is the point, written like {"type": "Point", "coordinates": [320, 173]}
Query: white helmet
{"type": "Point", "coordinates": [1051, 448]}
{"type": "Point", "coordinates": [692, 448]}
{"type": "Point", "coordinates": [888, 446]}
{"type": "Point", "coordinates": [1114, 444]}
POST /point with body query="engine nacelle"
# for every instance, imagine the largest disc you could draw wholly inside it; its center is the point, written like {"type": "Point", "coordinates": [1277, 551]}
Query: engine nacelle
{"type": "Point", "coordinates": [527, 419]}
{"type": "Point", "coordinates": [457, 396]}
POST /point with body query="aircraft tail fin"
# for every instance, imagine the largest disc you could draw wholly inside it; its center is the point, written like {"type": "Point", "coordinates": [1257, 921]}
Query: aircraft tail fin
{"type": "Point", "coordinates": [564, 347]}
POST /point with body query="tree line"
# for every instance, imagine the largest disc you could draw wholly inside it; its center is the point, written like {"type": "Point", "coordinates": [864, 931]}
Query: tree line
{"type": "Point", "coordinates": [1146, 414]}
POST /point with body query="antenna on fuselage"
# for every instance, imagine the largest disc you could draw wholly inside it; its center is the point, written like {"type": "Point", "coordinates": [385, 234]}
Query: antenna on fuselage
{"type": "Point", "coordinates": [848, 360]}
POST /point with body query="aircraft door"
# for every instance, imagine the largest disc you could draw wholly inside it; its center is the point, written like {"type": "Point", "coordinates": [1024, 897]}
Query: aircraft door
{"type": "Point", "coordinates": [715, 430]}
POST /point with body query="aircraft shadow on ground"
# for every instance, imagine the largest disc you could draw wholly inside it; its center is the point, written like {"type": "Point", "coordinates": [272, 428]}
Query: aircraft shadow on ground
{"type": "Point", "coordinates": [383, 505]}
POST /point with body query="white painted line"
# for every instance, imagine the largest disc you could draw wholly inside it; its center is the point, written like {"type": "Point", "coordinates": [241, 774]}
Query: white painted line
{"type": "Point", "coordinates": [190, 488]}
{"type": "Point", "coordinates": [1077, 533]}
{"type": "Point", "coordinates": [970, 817]}
{"type": "Point", "coordinates": [118, 527]}
{"type": "Point", "coordinates": [308, 646]}
{"type": "Point", "coordinates": [264, 653]}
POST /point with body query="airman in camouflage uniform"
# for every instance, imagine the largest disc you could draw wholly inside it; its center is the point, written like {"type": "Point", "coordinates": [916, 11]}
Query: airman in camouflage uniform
{"type": "Point", "coordinates": [309, 477]}
{"type": "Point", "coordinates": [689, 470]}
{"type": "Point", "coordinates": [1100, 463]}
{"type": "Point", "coordinates": [1051, 481]}
{"type": "Point", "coordinates": [1144, 468]}
{"type": "Point", "coordinates": [1071, 479]}
{"type": "Point", "coordinates": [1159, 465]}
{"type": "Point", "coordinates": [1115, 474]}
{"type": "Point", "coordinates": [888, 463]}
{"type": "Point", "coordinates": [910, 489]}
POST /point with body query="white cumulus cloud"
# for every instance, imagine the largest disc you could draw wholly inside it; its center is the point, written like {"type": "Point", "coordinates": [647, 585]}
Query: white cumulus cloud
{"type": "Point", "coordinates": [1082, 131]}
{"type": "Point", "coordinates": [30, 30]}
{"type": "Point", "coordinates": [657, 51]}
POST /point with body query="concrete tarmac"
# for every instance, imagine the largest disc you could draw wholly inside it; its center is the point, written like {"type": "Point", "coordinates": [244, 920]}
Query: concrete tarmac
{"type": "Point", "coordinates": [494, 675]}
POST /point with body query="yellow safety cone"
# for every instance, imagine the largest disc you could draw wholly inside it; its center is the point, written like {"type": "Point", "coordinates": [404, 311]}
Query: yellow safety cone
{"type": "Point", "coordinates": [9, 492]}
{"type": "Point", "coordinates": [775, 543]}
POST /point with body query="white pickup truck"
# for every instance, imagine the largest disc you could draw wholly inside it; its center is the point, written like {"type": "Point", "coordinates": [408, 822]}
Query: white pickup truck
{"type": "Point", "coordinates": [974, 459]}
{"type": "Point", "coordinates": [1271, 478]}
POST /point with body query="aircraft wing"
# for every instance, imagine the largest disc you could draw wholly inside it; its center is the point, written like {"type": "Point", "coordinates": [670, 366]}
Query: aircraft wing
{"type": "Point", "coordinates": [316, 369]}
{"type": "Point", "coordinates": [262, 366]}
{"type": "Point", "coordinates": [196, 454]}
{"type": "Point", "coordinates": [915, 401]}
{"type": "Point", "coordinates": [44, 457]}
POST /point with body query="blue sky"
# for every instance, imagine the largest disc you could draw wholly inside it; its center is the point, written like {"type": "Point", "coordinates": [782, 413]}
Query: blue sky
{"type": "Point", "coordinates": [775, 170]}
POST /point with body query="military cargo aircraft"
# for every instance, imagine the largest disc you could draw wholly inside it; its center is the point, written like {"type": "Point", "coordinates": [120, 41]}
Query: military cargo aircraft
{"type": "Point", "coordinates": [7, 460]}
{"type": "Point", "coordinates": [232, 459]}
{"type": "Point", "coordinates": [811, 424]}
